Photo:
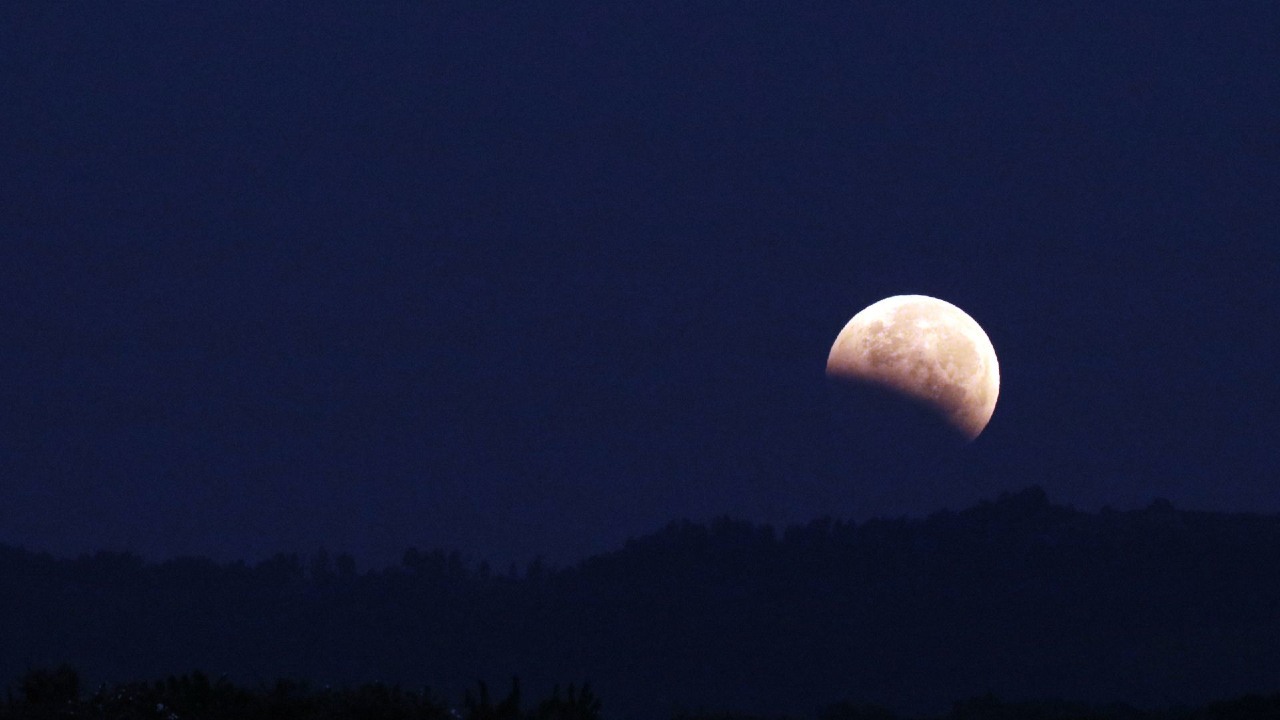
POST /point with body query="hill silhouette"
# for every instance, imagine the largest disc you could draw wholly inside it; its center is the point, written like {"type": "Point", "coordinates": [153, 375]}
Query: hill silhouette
{"type": "Point", "coordinates": [1017, 597]}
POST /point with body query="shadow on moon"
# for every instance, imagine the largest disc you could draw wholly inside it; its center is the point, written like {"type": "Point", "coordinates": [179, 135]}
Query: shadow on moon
{"type": "Point", "coordinates": [894, 454]}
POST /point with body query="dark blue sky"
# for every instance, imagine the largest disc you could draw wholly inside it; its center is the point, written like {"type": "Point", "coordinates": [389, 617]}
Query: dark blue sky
{"type": "Point", "coordinates": [530, 278]}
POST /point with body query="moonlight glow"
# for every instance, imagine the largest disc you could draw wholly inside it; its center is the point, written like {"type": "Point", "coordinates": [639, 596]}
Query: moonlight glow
{"type": "Point", "coordinates": [927, 350]}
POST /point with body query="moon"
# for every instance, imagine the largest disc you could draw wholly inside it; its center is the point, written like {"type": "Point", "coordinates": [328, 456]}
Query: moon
{"type": "Point", "coordinates": [927, 350]}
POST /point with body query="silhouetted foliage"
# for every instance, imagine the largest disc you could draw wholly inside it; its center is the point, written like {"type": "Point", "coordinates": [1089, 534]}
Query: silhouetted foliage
{"type": "Point", "coordinates": [196, 697]}
{"type": "Point", "coordinates": [480, 707]}
{"type": "Point", "coordinates": [1244, 708]}
{"type": "Point", "coordinates": [45, 688]}
{"type": "Point", "coordinates": [574, 704]}
{"type": "Point", "coordinates": [1156, 607]}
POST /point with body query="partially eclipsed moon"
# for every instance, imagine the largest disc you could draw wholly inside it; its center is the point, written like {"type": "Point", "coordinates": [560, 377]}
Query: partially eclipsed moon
{"type": "Point", "coordinates": [926, 349]}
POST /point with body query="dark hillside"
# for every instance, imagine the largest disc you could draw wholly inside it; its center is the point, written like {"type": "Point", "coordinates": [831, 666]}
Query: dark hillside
{"type": "Point", "coordinates": [1017, 597]}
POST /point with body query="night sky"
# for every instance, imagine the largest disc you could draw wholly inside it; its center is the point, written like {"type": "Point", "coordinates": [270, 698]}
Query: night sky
{"type": "Point", "coordinates": [532, 278]}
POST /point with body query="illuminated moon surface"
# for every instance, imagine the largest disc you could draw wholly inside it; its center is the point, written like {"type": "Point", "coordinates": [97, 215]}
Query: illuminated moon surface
{"type": "Point", "coordinates": [927, 350]}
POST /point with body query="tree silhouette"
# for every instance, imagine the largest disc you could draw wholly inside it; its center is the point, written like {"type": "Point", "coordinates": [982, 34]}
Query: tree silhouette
{"type": "Point", "coordinates": [480, 707]}
{"type": "Point", "coordinates": [575, 704]}
{"type": "Point", "coordinates": [50, 688]}
{"type": "Point", "coordinates": [1152, 606]}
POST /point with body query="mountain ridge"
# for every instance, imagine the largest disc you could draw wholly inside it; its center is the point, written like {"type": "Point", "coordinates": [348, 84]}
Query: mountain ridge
{"type": "Point", "coordinates": [1017, 596]}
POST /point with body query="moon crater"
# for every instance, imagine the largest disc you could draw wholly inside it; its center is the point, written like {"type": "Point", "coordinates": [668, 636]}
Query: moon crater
{"type": "Point", "coordinates": [926, 349]}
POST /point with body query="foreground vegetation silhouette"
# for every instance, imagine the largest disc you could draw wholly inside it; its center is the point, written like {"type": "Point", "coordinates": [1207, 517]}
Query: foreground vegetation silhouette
{"type": "Point", "coordinates": [53, 694]}
{"type": "Point", "coordinates": [1156, 608]}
